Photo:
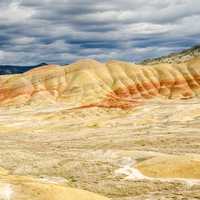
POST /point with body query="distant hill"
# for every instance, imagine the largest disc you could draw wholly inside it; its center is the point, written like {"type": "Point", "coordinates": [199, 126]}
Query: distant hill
{"type": "Point", "coordinates": [11, 69]}
{"type": "Point", "coordinates": [178, 57]}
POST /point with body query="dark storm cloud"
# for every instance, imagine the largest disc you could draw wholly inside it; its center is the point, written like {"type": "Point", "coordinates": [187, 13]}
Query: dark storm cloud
{"type": "Point", "coordinates": [61, 31]}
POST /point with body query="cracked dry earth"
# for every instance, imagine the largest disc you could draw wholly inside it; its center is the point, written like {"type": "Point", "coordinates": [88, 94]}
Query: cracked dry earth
{"type": "Point", "coordinates": [150, 152]}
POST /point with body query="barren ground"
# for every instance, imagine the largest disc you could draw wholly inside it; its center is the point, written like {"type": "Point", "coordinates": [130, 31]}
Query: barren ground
{"type": "Point", "coordinates": [99, 150]}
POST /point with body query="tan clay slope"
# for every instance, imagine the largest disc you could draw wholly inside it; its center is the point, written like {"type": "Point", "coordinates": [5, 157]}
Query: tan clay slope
{"type": "Point", "coordinates": [25, 187]}
{"type": "Point", "coordinates": [171, 166]}
{"type": "Point", "coordinates": [90, 83]}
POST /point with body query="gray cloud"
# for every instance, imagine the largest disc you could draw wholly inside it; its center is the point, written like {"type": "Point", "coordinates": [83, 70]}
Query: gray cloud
{"type": "Point", "coordinates": [61, 31]}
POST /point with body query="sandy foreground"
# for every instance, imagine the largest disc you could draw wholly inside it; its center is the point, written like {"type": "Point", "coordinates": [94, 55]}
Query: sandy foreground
{"type": "Point", "coordinates": [149, 152]}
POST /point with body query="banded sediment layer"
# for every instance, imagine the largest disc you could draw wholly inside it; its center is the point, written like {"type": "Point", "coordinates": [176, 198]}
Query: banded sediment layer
{"type": "Point", "coordinates": [88, 83]}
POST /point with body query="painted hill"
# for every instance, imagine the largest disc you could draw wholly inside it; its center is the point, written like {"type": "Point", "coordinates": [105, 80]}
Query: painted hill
{"type": "Point", "coordinates": [178, 57]}
{"type": "Point", "coordinates": [88, 83]}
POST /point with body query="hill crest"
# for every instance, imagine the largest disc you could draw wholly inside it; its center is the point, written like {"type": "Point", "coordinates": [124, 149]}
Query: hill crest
{"type": "Point", "coordinates": [178, 57]}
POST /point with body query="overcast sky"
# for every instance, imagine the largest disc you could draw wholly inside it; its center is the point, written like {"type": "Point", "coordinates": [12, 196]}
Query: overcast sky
{"type": "Point", "coordinates": [61, 31]}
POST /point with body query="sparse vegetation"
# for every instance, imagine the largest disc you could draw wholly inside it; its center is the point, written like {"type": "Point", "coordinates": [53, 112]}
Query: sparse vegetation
{"type": "Point", "coordinates": [178, 57]}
